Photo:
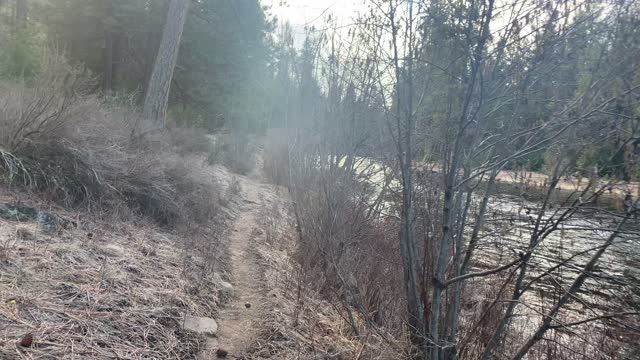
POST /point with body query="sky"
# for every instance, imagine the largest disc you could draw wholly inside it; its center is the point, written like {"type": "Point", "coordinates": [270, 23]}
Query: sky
{"type": "Point", "coordinates": [301, 13]}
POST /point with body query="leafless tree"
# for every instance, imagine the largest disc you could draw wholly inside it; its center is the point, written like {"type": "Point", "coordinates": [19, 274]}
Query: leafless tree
{"type": "Point", "coordinates": [453, 86]}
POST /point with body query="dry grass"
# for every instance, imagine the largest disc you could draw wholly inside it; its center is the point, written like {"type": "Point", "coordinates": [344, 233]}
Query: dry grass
{"type": "Point", "coordinates": [101, 294]}
{"type": "Point", "coordinates": [72, 150]}
{"type": "Point", "coordinates": [115, 289]}
{"type": "Point", "coordinates": [110, 290]}
{"type": "Point", "coordinates": [301, 323]}
{"type": "Point", "coordinates": [119, 285]}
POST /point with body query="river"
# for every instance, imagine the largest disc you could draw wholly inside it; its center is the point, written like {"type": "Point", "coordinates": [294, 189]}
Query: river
{"type": "Point", "coordinates": [613, 287]}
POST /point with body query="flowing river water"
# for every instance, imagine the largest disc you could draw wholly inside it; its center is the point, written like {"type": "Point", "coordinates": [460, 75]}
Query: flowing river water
{"type": "Point", "coordinates": [613, 287]}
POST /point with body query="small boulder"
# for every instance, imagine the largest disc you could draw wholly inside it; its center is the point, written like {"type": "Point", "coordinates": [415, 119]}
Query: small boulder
{"type": "Point", "coordinates": [18, 213]}
{"type": "Point", "coordinates": [26, 340]}
{"type": "Point", "coordinates": [225, 290]}
{"type": "Point", "coordinates": [201, 325]}
{"type": "Point", "coordinates": [112, 250]}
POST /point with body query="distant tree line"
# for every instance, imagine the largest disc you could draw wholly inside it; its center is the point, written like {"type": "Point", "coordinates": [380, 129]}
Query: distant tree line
{"type": "Point", "coordinates": [222, 69]}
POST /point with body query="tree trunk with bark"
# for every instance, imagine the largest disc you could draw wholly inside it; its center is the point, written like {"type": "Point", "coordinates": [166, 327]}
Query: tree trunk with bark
{"type": "Point", "coordinates": [107, 77]}
{"type": "Point", "coordinates": [22, 10]}
{"type": "Point", "coordinates": [157, 96]}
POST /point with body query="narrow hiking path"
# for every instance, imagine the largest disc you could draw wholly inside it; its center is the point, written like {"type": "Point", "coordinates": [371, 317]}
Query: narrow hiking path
{"type": "Point", "coordinates": [285, 319]}
{"type": "Point", "coordinates": [239, 319]}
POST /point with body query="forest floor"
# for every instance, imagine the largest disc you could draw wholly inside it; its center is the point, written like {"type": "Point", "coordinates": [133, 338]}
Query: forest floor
{"type": "Point", "coordinates": [123, 290]}
{"type": "Point", "coordinates": [106, 288]}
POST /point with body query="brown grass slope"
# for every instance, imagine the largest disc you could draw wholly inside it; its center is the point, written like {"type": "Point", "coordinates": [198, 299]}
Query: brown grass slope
{"type": "Point", "coordinates": [149, 215]}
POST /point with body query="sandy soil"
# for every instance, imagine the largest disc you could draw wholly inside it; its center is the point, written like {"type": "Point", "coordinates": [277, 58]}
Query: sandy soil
{"type": "Point", "coordinates": [239, 320]}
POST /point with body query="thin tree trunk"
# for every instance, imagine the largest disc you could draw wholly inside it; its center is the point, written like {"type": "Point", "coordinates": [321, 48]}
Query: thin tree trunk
{"type": "Point", "coordinates": [107, 76]}
{"type": "Point", "coordinates": [157, 97]}
{"type": "Point", "coordinates": [450, 184]}
{"type": "Point", "coordinates": [22, 10]}
{"type": "Point", "coordinates": [569, 294]}
{"type": "Point", "coordinates": [454, 310]}
{"type": "Point", "coordinates": [439, 271]}
{"type": "Point", "coordinates": [415, 305]}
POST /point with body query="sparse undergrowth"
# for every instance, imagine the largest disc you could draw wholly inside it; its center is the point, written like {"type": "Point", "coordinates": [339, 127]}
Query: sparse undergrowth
{"type": "Point", "coordinates": [300, 322]}
{"type": "Point", "coordinates": [150, 213]}
{"type": "Point", "coordinates": [117, 289]}
{"type": "Point", "coordinates": [105, 293]}
{"type": "Point", "coordinates": [65, 145]}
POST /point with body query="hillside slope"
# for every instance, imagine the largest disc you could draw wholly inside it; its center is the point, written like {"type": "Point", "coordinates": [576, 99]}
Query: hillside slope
{"type": "Point", "coordinates": [124, 290]}
{"type": "Point", "coordinates": [98, 290]}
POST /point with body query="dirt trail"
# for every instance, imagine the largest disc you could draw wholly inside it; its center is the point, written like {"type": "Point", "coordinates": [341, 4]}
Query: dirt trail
{"type": "Point", "coordinates": [238, 320]}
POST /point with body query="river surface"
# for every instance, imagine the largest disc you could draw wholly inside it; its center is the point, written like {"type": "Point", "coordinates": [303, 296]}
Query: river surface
{"type": "Point", "coordinates": [613, 287]}
{"type": "Point", "coordinates": [509, 223]}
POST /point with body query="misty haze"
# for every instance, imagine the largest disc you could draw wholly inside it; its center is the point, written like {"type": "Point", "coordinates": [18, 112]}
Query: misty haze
{"type": "Point", "coordinates": [320, 179]}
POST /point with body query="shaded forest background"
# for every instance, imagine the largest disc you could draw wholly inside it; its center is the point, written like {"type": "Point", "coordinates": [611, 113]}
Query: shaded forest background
{"type": "Point", "coordinates": [238, 67]}
{"type": "Point", "coordinates": [223, 70]}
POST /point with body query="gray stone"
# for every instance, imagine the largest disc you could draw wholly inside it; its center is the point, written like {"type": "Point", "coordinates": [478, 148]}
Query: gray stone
{"type": "Point", "coordinates": [225, 290]}
{"type": "Point", "coordinates": [201, 325]}
{"type": "Point", "coordinates": [49, 222]}
{"type": "Point", "coordinates": [18, 213]}
{"type": "Point", "coordinates": [112, 250]}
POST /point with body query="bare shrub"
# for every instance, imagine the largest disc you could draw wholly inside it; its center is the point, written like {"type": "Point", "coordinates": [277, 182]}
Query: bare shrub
{"type": "Point", "coordinates": [189, 140]}
{"type": "Point", "coordinates": [276, 157]}
{"type": "Point", "coordinates": [235, 151]}
{"type": "Point", "coordinates": [45, 107]}
{"type": "Point", "coordinates": [347, 253]}
{"type": "Point", "coordinates": [65, 145]}
{"type": "Point", "coordinates": [39, 120]}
